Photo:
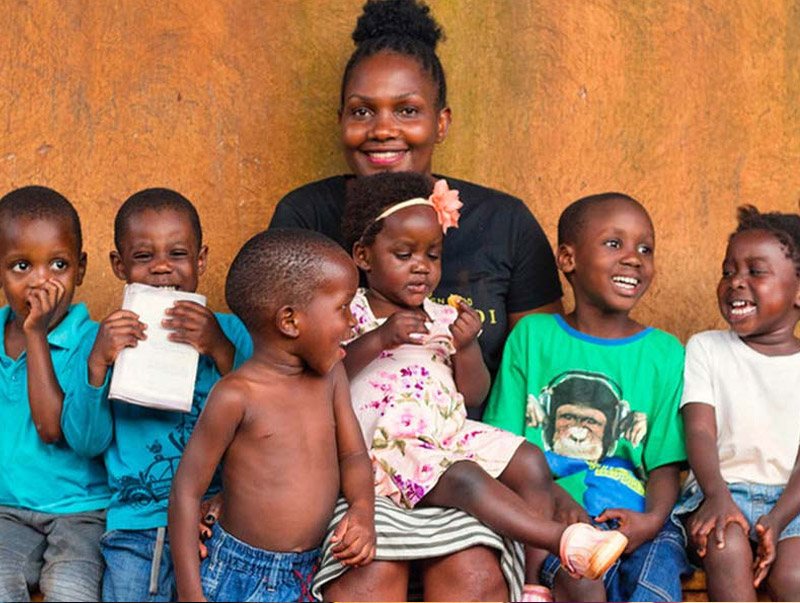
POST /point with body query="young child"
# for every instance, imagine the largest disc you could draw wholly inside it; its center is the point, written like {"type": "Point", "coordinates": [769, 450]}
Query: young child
{"type": "Point", "coordinates": [415, 364]}
{"type": "Point", "coordinates": [599, 393]}
{"type": "Point", "coordinates": [741, 404]}
{"type": "Point", "coordinates": [284, 426]}
{"type": "Point", "coordinates": [53, 493]}
{"type": "Point", "coordinates": [159, 242]}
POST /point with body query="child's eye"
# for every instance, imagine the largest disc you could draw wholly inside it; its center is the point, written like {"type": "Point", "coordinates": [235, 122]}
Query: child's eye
{"type": "Point", "coordinates": [360, 112]}
{"type": "Point", "coordinates": [727, 273]}
{"type": "Point", "coordinates": [757, 271]}
{"type": "Point", "coordinates": [645, 249]}
{"type": "Point", "coordinates": [179, 253]}
{"type": "Point", "coordinates": [20, 266]}
{"type": "Point", "coordinates": [613, 243]}
{"type": "Point", "coordinates": [59, 265]}
{"type": "Point", "coordinates": [433, 256]}
{"type": "Point", "coordinates": [402, 255]}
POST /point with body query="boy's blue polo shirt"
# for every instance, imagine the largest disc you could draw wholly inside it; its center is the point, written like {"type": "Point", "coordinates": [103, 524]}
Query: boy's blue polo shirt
{"type": "Point", "coordinates": [67, 476]}
{"type": "Point", "coordinates": [147, 444]}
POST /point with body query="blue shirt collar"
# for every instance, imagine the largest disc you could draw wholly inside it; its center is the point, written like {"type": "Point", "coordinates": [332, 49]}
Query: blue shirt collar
{"type": "Point", "coordinates": [66, 333]}
{"type": "Point", "coordinates": [599, 340]}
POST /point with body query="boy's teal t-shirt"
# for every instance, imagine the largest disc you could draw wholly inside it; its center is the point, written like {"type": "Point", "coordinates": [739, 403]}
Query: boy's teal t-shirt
{"type": "Point", "coordinates": [67, 476]}
{"type": "Point", "coordinates": [604, 411]}
{"type": "Point", "coordinates": [147, 444]}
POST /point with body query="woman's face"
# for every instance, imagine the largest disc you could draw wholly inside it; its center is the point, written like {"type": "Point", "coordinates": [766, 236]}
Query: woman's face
{"type": "Point", "coordinates": [389, 118]}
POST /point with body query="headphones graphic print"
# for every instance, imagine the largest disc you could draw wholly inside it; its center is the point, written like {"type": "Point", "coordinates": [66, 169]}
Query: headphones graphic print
{"type": "Point", "coordinates": [621, 407]}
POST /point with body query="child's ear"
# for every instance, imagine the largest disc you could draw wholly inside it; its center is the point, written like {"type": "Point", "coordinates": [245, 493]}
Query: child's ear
{"type": "Point", "coordinates": [202, 260]}
{"type": "Point", "coordinates": [565, 258]}
{"type": "Point", "coordinates": [286, 321]}
{"type": "Point", "coordinates": [118, 266]}
{"type": "Point", "coordinates": [443, 124]}
{"type": "Point", "coordinates": [361, 256]}
{"type": "Point", "coordinates": [81, 269]}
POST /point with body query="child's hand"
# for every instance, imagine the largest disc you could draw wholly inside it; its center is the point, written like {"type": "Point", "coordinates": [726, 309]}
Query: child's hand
{"type": "Point", "coordinates": [404, 326]}
{"type": "Point", "coordinates": [42, 303]}
{"type": "Point", "coordinates": [638, 527]}
{"type": "Point", "coordinates": [196, 325]}
{"type": "Point", "coordinates": [767, 532]}
{"type": "Point", "coordinates": [714, 514]}
{"type": "Point", "coordinates": [210, 511]}
{"type": "Point", "coordinates": [119, 330]}
{"type": "Point", "coordinates": [354, 538]}
{"type": "Point", "coordinates": [466, 327]}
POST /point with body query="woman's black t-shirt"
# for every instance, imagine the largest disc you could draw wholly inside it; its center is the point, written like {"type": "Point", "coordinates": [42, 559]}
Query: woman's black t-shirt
{"type": "Point", "coordinates": [498, 258]}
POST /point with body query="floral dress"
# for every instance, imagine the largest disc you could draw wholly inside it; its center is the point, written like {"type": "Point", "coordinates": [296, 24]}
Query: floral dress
{"type": "Point", "coordinates": [413, 419]}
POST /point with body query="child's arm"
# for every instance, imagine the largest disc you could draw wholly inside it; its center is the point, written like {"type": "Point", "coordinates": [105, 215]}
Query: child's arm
{"type": "Point", "coordinates": [45, 395]}
{"type": "Point", "coordinates": [355, 534]}
{"type": "Point", "coordinates": [718, 508]}
{"type": "Point", "coordinates": [119, 330]}
{"type": "Point", "coordinates": [212, 434]}
{"type": "Point", "coordinates": [769, 526]}
{"type": "Point", "coordinates": [663, 486]}
{"type": "Point", "coordinates": [470, 372]}
{"type": "Point", "coordinates": [196, 325]}
{"type": "Point", "coordinates": [405, 326]}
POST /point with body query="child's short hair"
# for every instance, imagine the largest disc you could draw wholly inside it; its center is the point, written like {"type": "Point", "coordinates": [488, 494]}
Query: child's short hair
{"type": "Point", "coordinates": [277, 267]}
{"type": "Point", "coordinates": [404, 27]}
{"type": "Point", "coordinates": [785, 228]}
{"type": "Point", "coordinates": [40, 202]}
{"type": "Point", "coordinates": [370, 195]}
{"type": "Point", "coordinates": [156, 199]}
{"type": "Point", "coordinates": [573, 218]}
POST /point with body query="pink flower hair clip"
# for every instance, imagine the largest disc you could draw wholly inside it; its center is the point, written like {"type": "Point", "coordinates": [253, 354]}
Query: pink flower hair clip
{"type": "Point", "coordinates": [443, 200]}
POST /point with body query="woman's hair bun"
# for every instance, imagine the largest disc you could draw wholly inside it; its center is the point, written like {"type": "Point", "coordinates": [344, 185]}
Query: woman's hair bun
{"type": "Point", "coordinates": [397, 18]}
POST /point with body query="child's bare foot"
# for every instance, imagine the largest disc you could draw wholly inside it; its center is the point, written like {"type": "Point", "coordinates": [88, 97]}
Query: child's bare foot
{"type": "Point", "coordinates": [536, 593]}
{"type": "Point", "coordinates": [588, 552]}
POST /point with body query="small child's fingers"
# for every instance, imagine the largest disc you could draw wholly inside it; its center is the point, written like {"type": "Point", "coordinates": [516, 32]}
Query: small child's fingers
{"type": "Point", "coordinates": [361, 556]}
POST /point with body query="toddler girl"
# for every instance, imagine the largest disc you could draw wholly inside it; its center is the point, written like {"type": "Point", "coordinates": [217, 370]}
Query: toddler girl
{"type": "Point", "coordinates": [415, 363]}
{"type": "Point", "coordinates": [740, 406]}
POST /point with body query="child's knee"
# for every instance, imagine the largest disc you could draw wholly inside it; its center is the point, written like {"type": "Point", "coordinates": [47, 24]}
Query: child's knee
{"type": "Point", "coordinates": [783, 580]}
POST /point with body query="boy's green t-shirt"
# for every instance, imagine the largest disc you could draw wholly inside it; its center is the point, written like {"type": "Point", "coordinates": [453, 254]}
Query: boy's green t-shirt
{"type": "Point", "coordinates": [604, 411]}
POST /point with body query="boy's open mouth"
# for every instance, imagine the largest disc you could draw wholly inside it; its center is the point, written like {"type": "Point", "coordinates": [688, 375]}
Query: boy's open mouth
{"type": "Point", "coordinates": [628, 283]}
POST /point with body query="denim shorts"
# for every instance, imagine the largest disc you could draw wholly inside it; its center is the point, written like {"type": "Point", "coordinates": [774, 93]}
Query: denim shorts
{"type": "Point", "coordinates": [650, 573]}
{"type": "Point", "coordinates": [236, 571]}
{"type": "Point", "coordinates": [753, 500]}
{"type": "Point", "coordinates": [138, 566]}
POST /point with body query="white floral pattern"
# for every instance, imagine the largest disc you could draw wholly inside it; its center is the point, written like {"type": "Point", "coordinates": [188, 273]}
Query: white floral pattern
{"type": "Point", "coordinates": [413, 419]}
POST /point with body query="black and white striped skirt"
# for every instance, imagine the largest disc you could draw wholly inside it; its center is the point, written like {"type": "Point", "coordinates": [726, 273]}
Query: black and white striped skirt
{"type": "Point", "coordinates": [422, 533]}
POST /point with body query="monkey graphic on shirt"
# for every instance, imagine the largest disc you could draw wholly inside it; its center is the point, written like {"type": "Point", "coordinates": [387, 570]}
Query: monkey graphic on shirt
{"type": "Point", "coordinates": [583, 418]}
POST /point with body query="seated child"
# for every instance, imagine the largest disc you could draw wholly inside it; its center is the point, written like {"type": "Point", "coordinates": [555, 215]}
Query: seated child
{"type": "Point", "coordinates": [741, 403]}
{"type": "Point", "coordinates": [599, 393]}
{"type": "Point", "coordinates": [53, 492]}
{"type": "Point", "coordinates": [415, 364]}
{"type": "Point", "coordinates": [158, 242]}
{"type": "Point", "coordinates": [284, 426]}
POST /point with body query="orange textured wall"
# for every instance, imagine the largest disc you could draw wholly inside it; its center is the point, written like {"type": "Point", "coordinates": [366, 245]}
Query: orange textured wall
{"type": "Point", "coordinates": [692, 107]}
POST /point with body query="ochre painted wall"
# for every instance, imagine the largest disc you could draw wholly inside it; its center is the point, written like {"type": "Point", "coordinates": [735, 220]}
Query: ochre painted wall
{"type": "Point", "coordinates": [690, 106]}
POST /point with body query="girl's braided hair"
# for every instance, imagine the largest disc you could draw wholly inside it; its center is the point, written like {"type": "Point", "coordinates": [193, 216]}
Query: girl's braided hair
{"type": "Point", "coordinates": [784, 227]}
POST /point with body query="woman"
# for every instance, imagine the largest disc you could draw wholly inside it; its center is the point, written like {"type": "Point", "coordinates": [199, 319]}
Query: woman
{"type": "Point", "coordinates": [393, 112]}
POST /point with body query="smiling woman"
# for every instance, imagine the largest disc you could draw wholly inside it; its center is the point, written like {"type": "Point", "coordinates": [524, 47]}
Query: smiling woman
{"type": "Point", "coordinates": [393, 113]}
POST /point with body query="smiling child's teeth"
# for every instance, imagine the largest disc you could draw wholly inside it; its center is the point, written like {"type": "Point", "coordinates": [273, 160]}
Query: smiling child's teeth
{"type": "Point", "coordinates": [626, 280]}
